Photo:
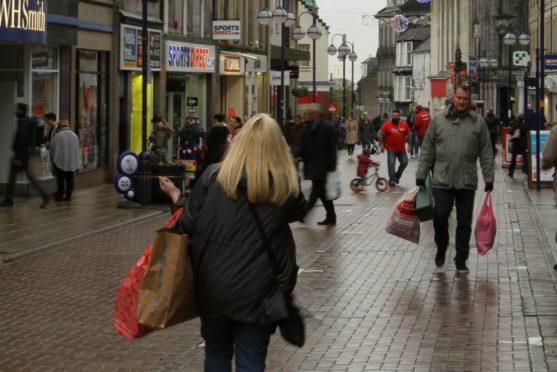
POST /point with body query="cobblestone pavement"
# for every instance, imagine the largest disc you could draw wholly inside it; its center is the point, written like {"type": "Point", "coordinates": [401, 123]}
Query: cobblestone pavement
{"type": "Point", "coordinates": [374, 302]}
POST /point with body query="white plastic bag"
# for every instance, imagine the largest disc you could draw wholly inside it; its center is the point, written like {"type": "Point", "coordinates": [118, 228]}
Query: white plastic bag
{"type": "Point", "coordinates": [403, 220]}
{"type": "Point", "coordinates": [332, 186]}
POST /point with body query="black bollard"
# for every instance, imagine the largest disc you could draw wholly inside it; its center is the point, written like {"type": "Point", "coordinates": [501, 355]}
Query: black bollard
{"type": "Point", "coordinates": [144, 179]}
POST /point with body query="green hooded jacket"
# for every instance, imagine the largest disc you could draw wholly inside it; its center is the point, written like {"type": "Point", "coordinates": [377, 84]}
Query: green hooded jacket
{"type": "Point", "coordinates": [451, 147]}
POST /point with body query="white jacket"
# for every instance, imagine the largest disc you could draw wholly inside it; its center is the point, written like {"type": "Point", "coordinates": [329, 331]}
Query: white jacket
{"type": "Point", "coordinates": [65, 151]}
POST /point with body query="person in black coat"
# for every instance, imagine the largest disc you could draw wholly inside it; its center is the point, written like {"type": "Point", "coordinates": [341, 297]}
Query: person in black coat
{"type": "Point", "coordinates": [319, 154]}
{"type": "Point", "coordinates": [234, 273]}
{"type": "Point", "coordinates": [493, 123]}
{"type": "Point", "coordinates": [23, 147]}
{"type": "Point", "coordinates": [217, 139]}
{"type": "Point", "coordinates": [519, 143]}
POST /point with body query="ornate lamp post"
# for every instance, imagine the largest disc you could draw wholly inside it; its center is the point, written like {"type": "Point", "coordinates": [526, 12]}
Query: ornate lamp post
{"type": "Point", "coordinates": [509, 40]}
{"type": "Point", "coordinates": [352, 57]}
{"type": "Point", "coordinates": [342, 51]}
{"type": "Point", "coordinates": [314, 33]}
{"type": "Point", "coordinates": [285, 19]}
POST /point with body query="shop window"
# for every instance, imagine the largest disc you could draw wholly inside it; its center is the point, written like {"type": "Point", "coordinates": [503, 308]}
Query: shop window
{"type": "Point", "coordinates": [44, 66]}
{"type": "Point", "coordinates": [91, 98]}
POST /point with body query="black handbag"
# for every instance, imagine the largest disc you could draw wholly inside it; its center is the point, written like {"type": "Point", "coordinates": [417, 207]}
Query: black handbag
{"type": "Point", "coordinates": [281, 301]}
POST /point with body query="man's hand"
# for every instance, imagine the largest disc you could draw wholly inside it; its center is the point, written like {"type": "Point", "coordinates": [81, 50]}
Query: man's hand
{"type": "Point", "coordinates": [168, 187]}
{"type": "Point", "coordinates": [488, 186]}
{"type": "Point", "coordinates": [420, 182]}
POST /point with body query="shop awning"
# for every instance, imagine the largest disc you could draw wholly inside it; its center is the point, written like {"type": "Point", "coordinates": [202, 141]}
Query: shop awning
{"type": "Point", "coordinates": [290, 54]}
{"type": "Point", "coordinates": [254, 57]}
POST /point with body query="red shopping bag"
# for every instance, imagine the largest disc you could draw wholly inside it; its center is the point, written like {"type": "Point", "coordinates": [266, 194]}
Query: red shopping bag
{"type": "Point", "coordinates": [125, 307]}
{"type": "Point", "coordinates": [486, 227]}
{"type": "Point", "coordinates": [403, 220]}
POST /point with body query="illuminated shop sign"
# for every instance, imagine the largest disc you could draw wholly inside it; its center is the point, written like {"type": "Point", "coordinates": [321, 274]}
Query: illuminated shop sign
{"type": "Point", "coordinates": [187, 57]}
{"type": "Point", "coordinates": [23, 20]}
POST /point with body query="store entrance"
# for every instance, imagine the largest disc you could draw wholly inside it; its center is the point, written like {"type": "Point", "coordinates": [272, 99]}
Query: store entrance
{"type": "Point", "coordinates": [176, 117]}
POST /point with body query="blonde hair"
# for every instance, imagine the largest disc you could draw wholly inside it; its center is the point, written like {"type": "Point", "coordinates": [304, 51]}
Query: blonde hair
{"type": "Point", "coordinates": [260, 153]}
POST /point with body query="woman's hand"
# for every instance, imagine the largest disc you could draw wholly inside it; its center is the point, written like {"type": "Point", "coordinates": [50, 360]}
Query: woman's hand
{"type": "Point", "coordinates": [168, 187]}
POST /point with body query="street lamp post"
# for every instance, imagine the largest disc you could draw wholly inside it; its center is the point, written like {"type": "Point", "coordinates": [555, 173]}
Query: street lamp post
{"type": "Point", "coordinates": [509, 40]}
{"type": "Point", "coordinates": [314, 33]}
{"type": "Point", "coordinates": [343, 51]}
{"type": "Point", "coordinates": [285, 19]}
{"type": "Point", "coordinates": [352, 57]}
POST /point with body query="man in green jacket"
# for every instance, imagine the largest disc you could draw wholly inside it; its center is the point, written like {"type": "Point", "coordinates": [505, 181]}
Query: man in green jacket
{"type": "Point", "coordinates": [454, 141]}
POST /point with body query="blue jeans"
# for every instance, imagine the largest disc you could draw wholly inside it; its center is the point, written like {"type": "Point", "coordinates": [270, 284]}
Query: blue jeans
{"type": "Point", "coordinates": [223, 339]}
{"type": "Point", "coordinates": [444, 199]}
{"type": "Point", "coordinates": [391, 158]}
{"type": "Point", "coordinates": [415, 143]}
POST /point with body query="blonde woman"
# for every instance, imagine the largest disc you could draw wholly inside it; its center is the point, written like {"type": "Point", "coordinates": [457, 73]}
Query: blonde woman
{"type": "Point", "coordinates": [234, 273]}
{"type": "Point", "coordinates": [351, 135]}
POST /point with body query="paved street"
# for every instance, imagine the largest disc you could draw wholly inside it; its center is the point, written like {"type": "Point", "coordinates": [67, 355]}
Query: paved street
{"type": "Point", "coordinates": [374, 302]}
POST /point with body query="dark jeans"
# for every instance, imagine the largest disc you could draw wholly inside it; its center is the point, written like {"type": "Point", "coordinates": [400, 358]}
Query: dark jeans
{"type": "Point", "coordinates": [512, 167]}
{"type": "Point", "coordinates": [14, 170]}
{"type": "Point", "coordinates": [415, 149]}
{"type": "Point", "coordinates": [391, 159]}
{"type": "Point", "coordinates": [223, 339]}
{"type": "Point", "coordinates": [64, 182]}
{"type": "Point", "coordinates": [444, 200]}
{"type": "Point", "coordinates": [493, 137]}
{"type": "Point", "coordinates": [318, 191]}
{"type": "Point", "coordinates": [350, 148]}
{"type": "Point", "coordinates": [366, 145]}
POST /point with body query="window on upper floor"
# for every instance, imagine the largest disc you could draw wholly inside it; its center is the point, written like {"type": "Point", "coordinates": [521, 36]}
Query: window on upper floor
{"type": "Point", "coordinates": [175, 16]}
{"type": "Point", "coordinates": [306, 48]}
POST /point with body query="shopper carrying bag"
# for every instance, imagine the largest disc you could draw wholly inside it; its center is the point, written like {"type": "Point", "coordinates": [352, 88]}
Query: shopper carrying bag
{"type": "Point", "coordinates": [235, 277]}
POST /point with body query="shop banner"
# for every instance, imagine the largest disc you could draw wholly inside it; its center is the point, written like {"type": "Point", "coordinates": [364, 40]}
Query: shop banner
{"type": "Point", "coordinates": [232, 64]}
{"type": "Point", "coordinates": [187, 57]}
{"type": "Point", "coordinates": [131, 44]}
{"type": "Point", "coordinates": [226, 30]}
{"type": "Point", "coordinates": [23, 21]}
{"type": "Point", "coordinates": [275, 77]}
{"type": "Point", "coordinates": [547, 175]}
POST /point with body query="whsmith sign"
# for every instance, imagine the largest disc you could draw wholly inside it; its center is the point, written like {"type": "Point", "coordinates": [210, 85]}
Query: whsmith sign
{"type": "Point", "coordinates": [23, 20]}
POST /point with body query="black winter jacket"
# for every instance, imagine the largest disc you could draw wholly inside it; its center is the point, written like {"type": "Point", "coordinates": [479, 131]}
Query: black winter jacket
{"type": "Point", "coordinates": [318, 150]}
{"type": "Point", "coordinates": [232, 269]}
{"type": "Point", "coordinates": [25, 135]}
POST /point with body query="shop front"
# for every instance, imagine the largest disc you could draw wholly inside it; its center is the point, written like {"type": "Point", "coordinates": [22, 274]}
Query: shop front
{"type": "Point", "coordinates": [189, 70]}
{"type": "Point", "coordinates": [30, 74]}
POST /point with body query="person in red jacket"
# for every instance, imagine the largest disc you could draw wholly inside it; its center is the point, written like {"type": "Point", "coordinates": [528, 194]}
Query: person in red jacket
{"type": "Point", "coordinates": [421, 122]}
{"type": "Point", "coordinates": [393, 136]}
{"type": "Point", "coordinates": [364, 162]}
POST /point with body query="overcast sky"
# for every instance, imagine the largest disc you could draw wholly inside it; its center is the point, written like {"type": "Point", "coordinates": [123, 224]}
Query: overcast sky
{"type": "Point", "coordinates": [347, 17]}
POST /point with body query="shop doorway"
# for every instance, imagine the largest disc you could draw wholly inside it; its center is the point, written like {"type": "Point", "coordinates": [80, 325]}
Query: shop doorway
{"type": "Point", "coordinates": [176, 118]}
{"type": "Point", "coordinates": [7, 126]}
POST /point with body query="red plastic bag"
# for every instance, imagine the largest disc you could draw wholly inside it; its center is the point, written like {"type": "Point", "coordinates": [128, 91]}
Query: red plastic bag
{"type": "Point", "coordinates": [486, 227]}
{"type": "Point", "coordinates": [403, 221]}
{"type": "Point", "coordinates": [125, 307]}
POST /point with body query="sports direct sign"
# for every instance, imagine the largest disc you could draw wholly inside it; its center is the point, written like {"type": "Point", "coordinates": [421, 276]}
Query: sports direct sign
{"type": "Point", "coordinates": [226, 30]}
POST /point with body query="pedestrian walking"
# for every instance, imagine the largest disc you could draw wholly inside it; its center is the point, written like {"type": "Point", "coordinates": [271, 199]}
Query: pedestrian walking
{"type": "Point", "coordinates": [318, 152]}
{"type": "Point", "coordinates": [217, 140]}
{"type": "Point", "coordinates": [341, 133]}
{"type": "Point", "coordinates": [351, 135]}
{"type": "Point", "coordinates": [65, 153]}
{"type": "Point", "coordinates": [421, 122]}
{"type": "Point", "coordinates": [23, 146]}
{"type": "Point", "coordinates": [366, 131]}
{"type": "Point", "coordinates": [161, 133]}
{"type": "Point", "coordinates": [454, 141]}
{"type": "Point", "coordinates": [235, 276]}
{"type": "Point", "coordinates": [394, 136]}
{"type": "Point", "coordinates": [410, 121]}
{"type": "Point", "coordinates": [519, 143]}
{"type": "Point", "coordinates": [293, 134]}
{"type": "Point", "coordinates": [493, 123]}
{"type": "Point", "coordinates": [235, 126]}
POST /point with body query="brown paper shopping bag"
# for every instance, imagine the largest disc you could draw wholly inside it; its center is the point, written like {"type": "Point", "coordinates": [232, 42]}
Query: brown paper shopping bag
{"type": "Point", "coordinates": [166, 295]}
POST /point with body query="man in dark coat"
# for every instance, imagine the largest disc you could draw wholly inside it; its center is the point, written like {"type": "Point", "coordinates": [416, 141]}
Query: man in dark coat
{"type": "Point", "coordinates": [23, 146]}
{"type": "Point", "coordinates": [216, 141]}
{"type": "Point", "coordinates": [319, 154]}
{"type": "Point", "coordinates": [492, 122]}
{"type": "Point", "coordinates": [531, 119]}
{"type": "Point", "coordinates": [366, 131]}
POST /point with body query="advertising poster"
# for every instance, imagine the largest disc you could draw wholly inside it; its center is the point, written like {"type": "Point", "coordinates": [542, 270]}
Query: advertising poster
{"type": "Point", "coordinates": [547, 175]}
